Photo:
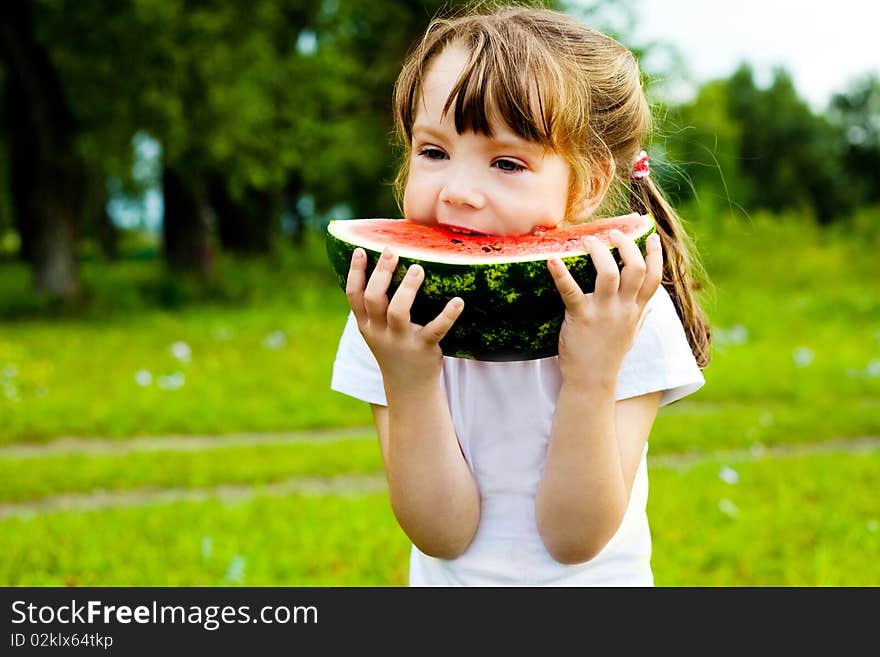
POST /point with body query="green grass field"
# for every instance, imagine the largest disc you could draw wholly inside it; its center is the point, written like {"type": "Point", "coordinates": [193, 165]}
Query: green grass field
{"type": "Point", "coordinates": [101, 482]}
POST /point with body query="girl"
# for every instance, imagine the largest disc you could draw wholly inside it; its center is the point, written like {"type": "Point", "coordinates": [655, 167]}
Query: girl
{"type": "Point", "coordinates": [531, 472]}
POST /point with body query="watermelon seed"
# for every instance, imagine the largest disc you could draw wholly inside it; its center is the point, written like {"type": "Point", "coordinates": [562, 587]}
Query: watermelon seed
{"type": "Point", "coordinates": [496, 247]}
{"type": "Point", "coordinates": [457, 242]}
{"type": "Point", "coordinates": [486, 249]}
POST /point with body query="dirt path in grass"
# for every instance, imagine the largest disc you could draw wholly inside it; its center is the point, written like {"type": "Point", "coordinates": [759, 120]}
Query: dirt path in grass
{"type": "Point", "coordinates": [104, 499]}
{"type": "Point", "coordinates": [75, 445]}
{"type": "Point", "coordinates": [304, 485]}
{"type": "Point", "coordinates": [97, 446]}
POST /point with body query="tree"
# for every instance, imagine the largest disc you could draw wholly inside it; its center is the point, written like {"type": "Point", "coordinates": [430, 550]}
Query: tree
{"type": "Point", "coordinates": [791, 155]}
{"type": "Point", "coordinates": [703, 141]}
{"type": "Point", "coordinates": [856, 112]}
{"type": "Point", "coordinates": [46, 170]}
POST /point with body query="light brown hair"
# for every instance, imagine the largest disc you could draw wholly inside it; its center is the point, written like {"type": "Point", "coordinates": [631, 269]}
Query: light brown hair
{"type": "Point", "coordinates": [560, 83]}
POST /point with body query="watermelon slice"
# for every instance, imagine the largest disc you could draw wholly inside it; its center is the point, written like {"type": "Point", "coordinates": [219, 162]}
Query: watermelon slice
{"type": "Point", "coordinates": [512, 309]}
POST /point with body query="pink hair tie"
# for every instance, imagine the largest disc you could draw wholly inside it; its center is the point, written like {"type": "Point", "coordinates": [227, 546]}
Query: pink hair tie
{"type": "Point", "coordinates": [640, 168]}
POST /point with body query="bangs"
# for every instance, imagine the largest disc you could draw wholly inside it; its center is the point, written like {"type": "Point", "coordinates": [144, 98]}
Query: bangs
{"type": "Point", "coordinates": [497, 85]}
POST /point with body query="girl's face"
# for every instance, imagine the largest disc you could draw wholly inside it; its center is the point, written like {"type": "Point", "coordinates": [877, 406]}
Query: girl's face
{"type": "Point", "coordinates": [500, 185]}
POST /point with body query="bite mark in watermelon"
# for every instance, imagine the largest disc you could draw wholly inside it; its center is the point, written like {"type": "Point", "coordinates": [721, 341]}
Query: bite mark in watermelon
{"type": "Point", "coordinates": [512, 309]}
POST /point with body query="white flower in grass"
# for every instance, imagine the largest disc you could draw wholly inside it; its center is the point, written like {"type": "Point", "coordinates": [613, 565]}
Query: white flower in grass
{"type": "Point", "coordinates": [173, 381]}
{"type": "Point", "coordinates": [181, 351]}
{"type": "Point", "coordinates": [9, 372]}
{"type": "Point", "coordinates": [873, 526]}
{"type": "Point", "coordinates": [207, 547]}
{"type": "Point", "coordinates": [143, 378]}
{"type": "Point", "coordinates": [803, 356]}
{"type": "Point", "coordinates": [871, 371]}
{"type": "Point", "coordinates": [736, 334]}
{"type": "Point", "coordinates": [728, 475]}
{"type": "Point", "coordinates": [10, 390]}
{"type": "Point", "coordinates": [235, 571]}
{"type": "Point", "coordinates": [275, 340]}
{"type": "Point", "coordinates": [728, 508]}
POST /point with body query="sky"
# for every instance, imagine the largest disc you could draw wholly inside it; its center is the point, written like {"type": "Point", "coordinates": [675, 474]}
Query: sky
{"type": "Point", "coordinates": [823, 43]}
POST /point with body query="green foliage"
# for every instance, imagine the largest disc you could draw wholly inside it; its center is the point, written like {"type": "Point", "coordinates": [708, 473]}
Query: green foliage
{"type": "Point", "coordinates": [290, 99]}
{"type": "Point", "coordinates": [749, 147]}
{"type": "Point", "coordinates": [701, 141]}
{"type": "Point", "coordinates": [856, 113]}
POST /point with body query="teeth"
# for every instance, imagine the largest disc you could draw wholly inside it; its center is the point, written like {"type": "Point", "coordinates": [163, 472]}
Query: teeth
{"type": "Point", "coordinates": [463, 231]}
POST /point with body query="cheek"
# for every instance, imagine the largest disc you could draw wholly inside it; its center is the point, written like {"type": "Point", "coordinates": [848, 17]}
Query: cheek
{"type": "Point", "coordinates": [417, 200]}
{"type": "Point", "coordinates": [557, 192]}
{"type": "Point", "coordinates": [544, 204]}
{"type": "Point", "coordinates": [408, 200]}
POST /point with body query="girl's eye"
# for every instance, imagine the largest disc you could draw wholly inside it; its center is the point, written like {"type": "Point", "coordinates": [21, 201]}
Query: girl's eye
{"type": "Point", "coordinates": [508, 165]}
{"type": "Point", "coordinates": [432, 153]}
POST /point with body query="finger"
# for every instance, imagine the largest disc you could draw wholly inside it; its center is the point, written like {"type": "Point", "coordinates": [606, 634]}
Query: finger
{"type": "Point", "coordinates": [571, 293]}
{"type": "Point", "coordinates": [633, 273]}
{"type": "Point", "coordinates": [376, 293]}
{"type": "Point", "coordinates": [400, 304]}
{"type": "Point", "coordinates": [607, 273]}
{"type": "Point", "coordinates": [437, 328]}
{"type": "Point", "coordinates": [653, 271]}
{"type": "Point", "coordinates": [354, 284]}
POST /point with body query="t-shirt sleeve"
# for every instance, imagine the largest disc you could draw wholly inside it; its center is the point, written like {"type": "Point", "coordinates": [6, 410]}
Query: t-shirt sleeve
{"type": "Point", "coordinates": [355, 370]}
{"type": "Point", "coordinates": [661, 357]}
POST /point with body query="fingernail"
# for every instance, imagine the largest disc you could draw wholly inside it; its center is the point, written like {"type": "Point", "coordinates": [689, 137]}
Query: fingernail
{"type": "Point", "coordinates": [457, 303]}
{"type": "Point", "coordinates": [413, 272]}
{"type": "Point", "coordinates": [358, 254]}
{"type": "Point", "coordinates": [386, 254]}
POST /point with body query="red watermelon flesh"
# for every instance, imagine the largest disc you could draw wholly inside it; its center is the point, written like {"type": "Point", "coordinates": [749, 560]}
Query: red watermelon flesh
{"type": "Point", "coordinates": [443, 244]}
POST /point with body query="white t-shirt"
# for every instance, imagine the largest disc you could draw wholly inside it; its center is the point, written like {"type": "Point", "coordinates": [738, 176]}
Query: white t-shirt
{"type": "Point", "coordinates": [502, 413]}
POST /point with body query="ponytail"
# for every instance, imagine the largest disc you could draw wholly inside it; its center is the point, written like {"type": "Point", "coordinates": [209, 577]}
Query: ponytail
{"type": "Point", "coordinates": [679, 265]}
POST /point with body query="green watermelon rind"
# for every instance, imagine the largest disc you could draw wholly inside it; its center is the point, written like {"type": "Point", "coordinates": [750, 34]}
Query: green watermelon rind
{"type": "Point", "coordinates": [512, 310]}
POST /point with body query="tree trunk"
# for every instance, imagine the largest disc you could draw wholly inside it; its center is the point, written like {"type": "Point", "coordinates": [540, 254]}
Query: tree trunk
{"type": "Point", "coordinates": [47, 174]}
{"type": "Point", "coordinates": [246, 225]}
{"type": "Point", "coordinates": [185, 230]}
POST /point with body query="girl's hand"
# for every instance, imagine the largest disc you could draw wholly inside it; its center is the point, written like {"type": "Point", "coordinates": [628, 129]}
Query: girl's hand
{"type": "Point", "coordinates": [407, 353]}
{"type": "Point", "coordinates": [600, 327]}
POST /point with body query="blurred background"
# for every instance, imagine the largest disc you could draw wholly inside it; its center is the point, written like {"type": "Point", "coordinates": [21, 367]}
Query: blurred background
{"type": "Point", "coordinates": [168, 318]}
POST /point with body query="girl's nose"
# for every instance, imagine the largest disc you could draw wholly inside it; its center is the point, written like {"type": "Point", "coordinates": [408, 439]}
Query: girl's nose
{"type": "Point", "coordinates": [461, 190]}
